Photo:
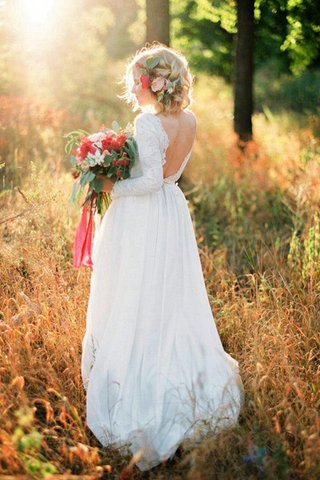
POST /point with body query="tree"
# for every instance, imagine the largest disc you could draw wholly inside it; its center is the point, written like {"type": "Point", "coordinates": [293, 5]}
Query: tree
{"type": "Point", "coordinates": [158, 21]}
{"type": "Point", "coordinates": [243, 70]}
{"type": "Point", "coordinates": [285, 30]}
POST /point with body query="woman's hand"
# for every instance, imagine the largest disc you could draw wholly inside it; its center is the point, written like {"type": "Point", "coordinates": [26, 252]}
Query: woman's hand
{"type": "Point", "coordinates": [107, 183]}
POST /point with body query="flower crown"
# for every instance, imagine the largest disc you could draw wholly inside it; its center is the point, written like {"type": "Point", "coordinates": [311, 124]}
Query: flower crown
{"type": "Point", "coordinates": [160, 85]}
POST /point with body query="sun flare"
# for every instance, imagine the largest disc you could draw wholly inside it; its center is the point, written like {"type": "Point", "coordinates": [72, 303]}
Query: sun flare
{"type": "Point", "coordinates": [37, 11]}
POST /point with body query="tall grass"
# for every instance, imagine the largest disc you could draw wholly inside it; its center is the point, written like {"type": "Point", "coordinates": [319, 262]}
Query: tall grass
{"type": "Point", "coordinates": [256, 217]}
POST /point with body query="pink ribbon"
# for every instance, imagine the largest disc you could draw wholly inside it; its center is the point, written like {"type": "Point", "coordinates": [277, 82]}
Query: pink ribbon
{"type": "Point", "coordinates": [82, 249]}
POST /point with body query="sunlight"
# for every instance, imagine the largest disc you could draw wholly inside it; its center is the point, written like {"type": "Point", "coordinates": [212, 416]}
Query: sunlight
{"type": "Point", "coordinates": [33, 21]}
{"type": "Point", "coordinates": [37, 11]}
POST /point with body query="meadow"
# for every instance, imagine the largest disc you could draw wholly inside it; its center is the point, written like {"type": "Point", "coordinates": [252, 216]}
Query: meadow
{"type": "Point", "coordinates": [256, 215]}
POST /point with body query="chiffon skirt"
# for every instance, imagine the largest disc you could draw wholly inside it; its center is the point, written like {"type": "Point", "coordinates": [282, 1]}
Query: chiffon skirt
{"type": "Point", "coordinates": [153, 366]}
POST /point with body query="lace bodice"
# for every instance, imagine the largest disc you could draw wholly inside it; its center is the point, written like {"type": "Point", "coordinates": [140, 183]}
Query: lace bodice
{"type": "Point", "coordinates": [146, 175]}
{"type": "Point", "coordinates": [175, 176]}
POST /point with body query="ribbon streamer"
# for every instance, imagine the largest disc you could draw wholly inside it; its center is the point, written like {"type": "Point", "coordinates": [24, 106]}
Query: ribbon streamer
{"type": "Point", "coordinates": [83, 243]}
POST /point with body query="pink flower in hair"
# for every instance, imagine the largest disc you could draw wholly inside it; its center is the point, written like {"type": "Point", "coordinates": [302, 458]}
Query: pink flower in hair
{"type": "Point", "coordinates": [144, 79]}
{"type": "Point", "coordinates": [158, 83]}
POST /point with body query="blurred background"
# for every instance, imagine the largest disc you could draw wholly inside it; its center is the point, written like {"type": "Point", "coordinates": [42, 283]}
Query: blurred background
{"type": "Point", "coordinates": [253, 189]}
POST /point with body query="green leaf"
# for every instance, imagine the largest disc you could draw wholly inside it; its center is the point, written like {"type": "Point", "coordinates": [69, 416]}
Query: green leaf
{"type": "Point", "coordinates": [86, 178]}
{"type": "Point", "coordinates": [115, 126]}
{"type": "Point", "coordinates": [96, 184]}
{"type": "Point", "coordinates": [88, 198]}
{"type": "Point", "coordinates": [152, 62]}
{"type": "Point", "coordinates": [73, 138]}
{"type": "Point", "coordinates": [77, 133]}
{"type": "Point", "coordinates": [107, 160]}
{"type": "Point", "coordinates": [90, 176]}
{"type": "Point", "coordinates": [74, 191]}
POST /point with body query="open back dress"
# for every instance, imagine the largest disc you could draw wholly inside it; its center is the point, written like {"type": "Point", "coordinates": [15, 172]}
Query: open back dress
{"type": "Point", "coordinates": [153, 365]}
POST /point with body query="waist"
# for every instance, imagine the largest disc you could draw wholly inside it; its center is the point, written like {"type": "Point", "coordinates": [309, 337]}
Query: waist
{"type": "Point", "coordinates": [170, 184]}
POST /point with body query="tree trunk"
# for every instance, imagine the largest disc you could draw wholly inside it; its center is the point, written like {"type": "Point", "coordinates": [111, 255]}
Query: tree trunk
{"type": "Point", "coordinates": [243, 70]}
{"type": "Point", "coordinates": [158, 21]}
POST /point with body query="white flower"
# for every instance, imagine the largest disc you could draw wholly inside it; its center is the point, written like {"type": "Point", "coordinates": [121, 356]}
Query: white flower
{"type": "Point", "coordinates": [95, 137]}
{"type": "Point", "coordinates": [95, 158]}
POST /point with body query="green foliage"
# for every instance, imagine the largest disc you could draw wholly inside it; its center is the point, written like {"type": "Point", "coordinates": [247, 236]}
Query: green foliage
{"type": "Point", "coordinates": [304, 253]}
{"type": "Point", "coordinates": [303, 34]}
{"type": "Point", "coordinates": [27, 441]}
{"type": "Point", "coordinates": [241, 218]}
{"type": "Point", "coordinates": [286, 30]}
{"type": "Point", "coordinates": [282, 91]}
{"type": "Point", "coordinates": [152, 62]}
{"type": "Point", "coordinates": [73, 139]}
{"type": "Point", "coordinates": [205, 33]}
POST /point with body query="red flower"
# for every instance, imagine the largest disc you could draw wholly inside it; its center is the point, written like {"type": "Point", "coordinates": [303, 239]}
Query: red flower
{"type": "Point", "coordinates": [116, 143]}
{"type": "Point", "coordinates": [121, 140]}
{"type": "Point", "coordinates": [107, 143]}
{"type": "Point", "coordinates": [85, 148]}
{"type": "Point", "coordinates": [123, 161]}
{"type": "Point", "coordinates": [144, 79]}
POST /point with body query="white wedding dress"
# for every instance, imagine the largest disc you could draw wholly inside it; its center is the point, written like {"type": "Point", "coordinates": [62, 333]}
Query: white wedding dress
{"type": "Point", "coordinates": [153, 366]}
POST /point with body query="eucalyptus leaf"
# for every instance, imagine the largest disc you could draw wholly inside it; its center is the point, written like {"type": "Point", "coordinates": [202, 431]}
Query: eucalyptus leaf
{"type": "Point", "coordinates": [90, 176]}
{"type": "Point", "coordinates": [96, 184]}
{"type": "Point", "coordinates": [74, 191]}
{"type": "Point", "coordinates": [85, 178]}
{"type": "Point", "coordinates": [115, 126]}
{"type": "Point", "coordinates": [152, 62]}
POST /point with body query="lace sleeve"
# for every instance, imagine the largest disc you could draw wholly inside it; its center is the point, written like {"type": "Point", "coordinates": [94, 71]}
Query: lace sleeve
{"type": "Point", "coordinates": [150, 155]}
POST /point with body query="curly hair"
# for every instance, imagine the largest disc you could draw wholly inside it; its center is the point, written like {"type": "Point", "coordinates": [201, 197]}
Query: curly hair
{"type": "Point", "coordinates": [172, 66]}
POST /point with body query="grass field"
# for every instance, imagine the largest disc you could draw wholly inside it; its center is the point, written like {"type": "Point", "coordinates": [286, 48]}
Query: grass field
{"type": "Point", "coordinates": [257, 221]}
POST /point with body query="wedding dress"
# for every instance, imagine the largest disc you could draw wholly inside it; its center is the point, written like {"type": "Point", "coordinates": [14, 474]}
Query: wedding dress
{"type": "Point", "coordinates": [153, 365]}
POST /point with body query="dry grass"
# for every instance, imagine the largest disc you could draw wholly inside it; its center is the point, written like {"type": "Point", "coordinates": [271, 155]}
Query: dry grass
{"type": "Point", "coordinates": [257, 227]}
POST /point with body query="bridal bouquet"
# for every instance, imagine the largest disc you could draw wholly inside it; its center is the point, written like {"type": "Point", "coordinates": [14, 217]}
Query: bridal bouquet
{"type": "Point", "coordinates": [111, 152]}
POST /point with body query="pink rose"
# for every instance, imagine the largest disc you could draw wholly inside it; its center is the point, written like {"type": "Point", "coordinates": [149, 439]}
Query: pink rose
{"type": "Point", "coordinates": [158, 83]}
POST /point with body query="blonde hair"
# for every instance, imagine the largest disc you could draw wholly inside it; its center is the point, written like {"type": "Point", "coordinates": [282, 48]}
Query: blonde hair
{"type": "Point", "coordinates": [173, 66]}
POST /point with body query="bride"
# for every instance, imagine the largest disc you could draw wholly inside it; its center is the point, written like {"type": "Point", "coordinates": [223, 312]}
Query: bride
{"type": "Point", "coordinates": [153, 365]}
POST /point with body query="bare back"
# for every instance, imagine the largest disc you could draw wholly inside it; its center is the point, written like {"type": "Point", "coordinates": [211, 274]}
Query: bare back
{"type": "Point", "coordinates": [180, 128]}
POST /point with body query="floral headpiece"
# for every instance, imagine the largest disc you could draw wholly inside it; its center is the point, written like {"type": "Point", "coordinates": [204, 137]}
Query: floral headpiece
{"type": "Point", "coordinates": [160, 85]}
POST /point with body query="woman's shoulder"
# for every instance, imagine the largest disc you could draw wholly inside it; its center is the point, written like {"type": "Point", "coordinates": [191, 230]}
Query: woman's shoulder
{"type": "Point", "coordinates": [145, 117]}
{"type": "Point", "coordinates": [191, 115]}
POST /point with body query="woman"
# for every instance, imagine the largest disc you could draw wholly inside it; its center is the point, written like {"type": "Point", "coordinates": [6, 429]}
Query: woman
{"type": "Point", "coordinates": [153, 365]}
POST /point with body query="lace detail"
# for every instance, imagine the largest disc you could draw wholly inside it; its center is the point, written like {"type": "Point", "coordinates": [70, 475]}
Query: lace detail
{"type": "Point", "coordinates": [165, 140]}
{"type": "Point", "coordinates": [175, 176]}
{"type": "Point", "coordinates": [150, 152]}
{"type": "Point", "coordinates": [153, 141]}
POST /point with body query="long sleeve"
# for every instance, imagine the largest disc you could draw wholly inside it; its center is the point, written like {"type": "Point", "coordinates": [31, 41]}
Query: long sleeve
{"type": "Point", "coordinates": [150, 155]}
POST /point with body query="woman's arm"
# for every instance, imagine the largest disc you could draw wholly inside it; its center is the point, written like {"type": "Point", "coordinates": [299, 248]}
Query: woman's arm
{"type": "Point", "coordinates": [150, 155]}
